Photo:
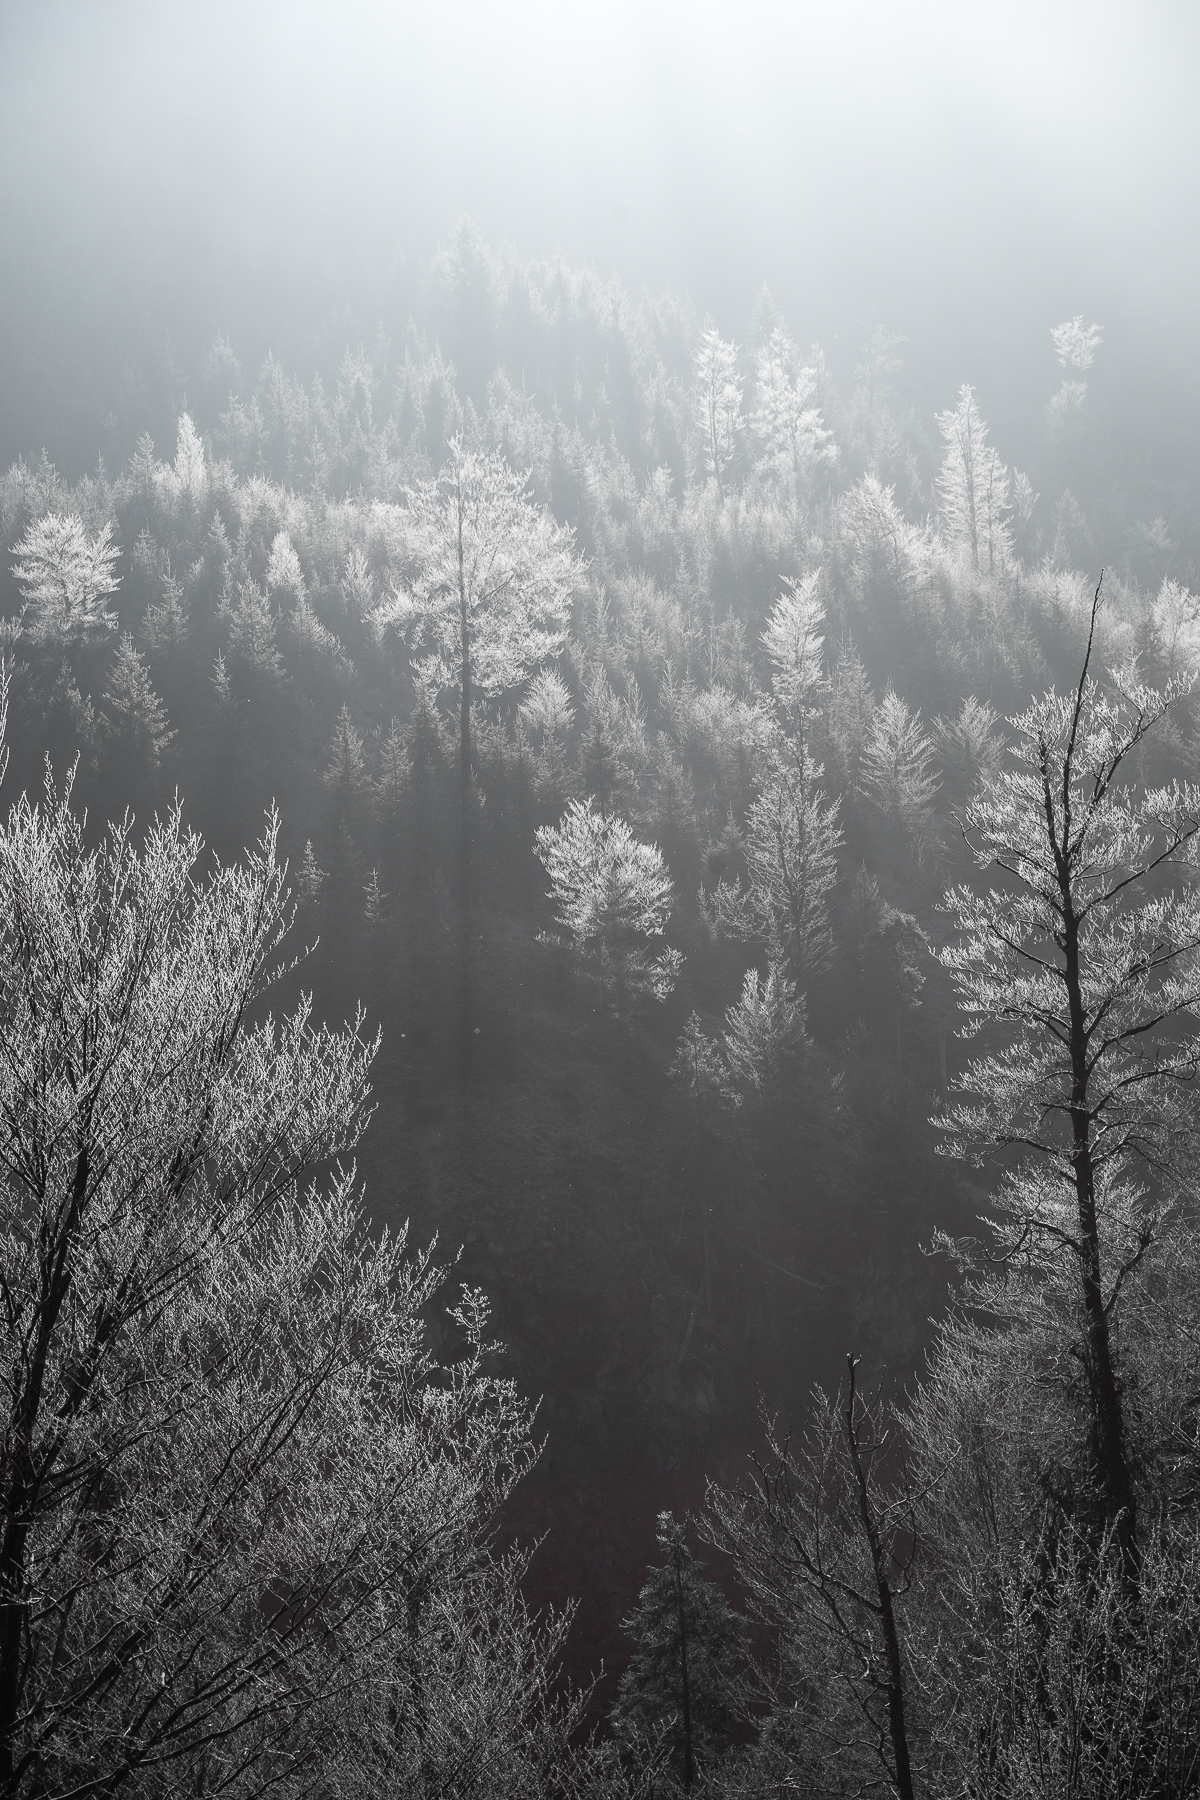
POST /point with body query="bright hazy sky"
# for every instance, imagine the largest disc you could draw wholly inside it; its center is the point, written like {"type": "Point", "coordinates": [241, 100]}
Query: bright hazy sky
{"type": "Point", "coordinates": [964, 168]}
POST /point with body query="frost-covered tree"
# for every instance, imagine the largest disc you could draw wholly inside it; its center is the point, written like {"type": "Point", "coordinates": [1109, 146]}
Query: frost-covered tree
{"type": "Point", "coordinates": [765, 1031]}
{"type": "Point", "coordinates": [1083, 959]}
{"type": "Point", "coordinates": [968, 745]}
{"type": "Point", "coordinates": [898, 771]}
{"type": "Point", "coordinates": [613, 897]}
{"type": "Point", "coordinates": [1175, 621]}
{"type": "Point", "coordinates": [284, 574]}
{"type": "Point", "coordinates": [794, 640]}
{"type": "Point", "coordinates": [66, 579]}
{"type": "Point", "coordinates": [251, 624]}
{"type": "Point", "coordinates": [243, 1507]}
{"type": "Point", "coordinates": [792, 833]}
{"type": "Point", "coordinates": [310, 878]}
{"type": "Point", "coordinates": [488, 601]}
{"type": "Point", "coordinates": [134, 719]}
{"type": "Point", "coordinates": [346, 772]}
{"type": "Point", "coordinates": [791, 844]}
{"type": "Point", "coordinates": [785, 420]}
{"type": "Point", "coordinates": [1075, 344]}
{"type": "Point", "coordinates": [393, 782]}
{"type": "Point", "coordinates": [699, 1070]}
{"type": "Point", "coordinates": [718, 404]}
{"type": "Point", "coordinates": [549, 714]}
{"type": "Point", "coordinates": [972, 487]}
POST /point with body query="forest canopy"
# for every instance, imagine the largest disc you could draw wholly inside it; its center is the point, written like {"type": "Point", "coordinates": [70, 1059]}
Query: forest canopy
{"type": "Point", "coordinates": [727, 789]}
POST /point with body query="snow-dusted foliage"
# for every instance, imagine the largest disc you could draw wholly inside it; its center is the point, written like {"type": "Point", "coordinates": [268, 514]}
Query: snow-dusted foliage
{"type": "Point", "coordinates": [612, 895]}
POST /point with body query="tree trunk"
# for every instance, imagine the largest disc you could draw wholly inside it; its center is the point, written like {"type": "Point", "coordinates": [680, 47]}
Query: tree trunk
{"type": "Point", "coordinates": [1108, 1424]}
{"type": "Point", "coordinates": [464, 872]}
{"type": "Point", "coordinates": [464, 732]}
{"type": "Point", "coordinates": [897, 1723]}
{"type": "Point", "coordinates": [20, 1478]}
{"type": "Point", "coordinates": [689, 1766]}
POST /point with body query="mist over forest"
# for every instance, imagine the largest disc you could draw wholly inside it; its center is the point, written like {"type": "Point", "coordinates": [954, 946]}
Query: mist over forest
{"type": "Point", "coordinates": [599, 625]}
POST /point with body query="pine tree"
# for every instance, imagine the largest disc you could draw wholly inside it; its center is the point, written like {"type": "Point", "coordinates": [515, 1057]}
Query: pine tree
{"type": "Point", "coordinates": [973, 487]}
{"type": "Point", "coordinates": [898, 772]}
{"type": "Point", "coordinates": [375, 909]}
{"type": "Point", "coordinates": [346, 772]}
{"type": "Point", "coordinates": [969, 746]}
{"type": "Point", "coordinates": [718, 404]}
{"type": "Point", "coordinates": [792, 840]}
{"type": "Point", "coordinates": [284, 573]}
{"type": "Point", "coordinates": [683, 1680]}
{"type": "Point", "coordinates": [785, 421]}
{"type": "Point", "coordinates": [547, 712]}
{"type": "Point", "coordinates": [765, 1032]}
{"type": "Point", "coordinates": [310, 878]}
{"type": "Point", "coordinates": [613, 896]}
{"type": "Point", "coordinates": [251, 633]}
{"type": "Point", "coordinates": [395, 776]}
{"type": "Point", "coordinates": [134, 719]}
{"type": "Point", "coordinates": [848, 714]}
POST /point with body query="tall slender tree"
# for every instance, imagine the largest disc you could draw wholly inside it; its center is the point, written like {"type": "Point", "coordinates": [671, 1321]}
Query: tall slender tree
{"type": "Point", "coordinates": [1083, 966]}
{"type": "Point", "coordinates": [973, 486]}
{"type": "Point", "coordinates": [718, 404]}
{"type": "Point", "coordinates": [490, 594]}
{"type": "Point", "coordinates": [683, 1678]}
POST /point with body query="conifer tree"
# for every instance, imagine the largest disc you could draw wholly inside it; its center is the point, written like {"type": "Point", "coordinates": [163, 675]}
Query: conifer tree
{"type": "Point", "coordinates": [613, 896]}
{"type": "Point", "coordinates": [794, 641]}
{"type": "Point", "coordinates": [310, 878]}
{"type": "Point", "coordinates": [765, 1033]}
{"type": "Point", "coordinates": [784, 419]}
{"type": "Point", "coordinates": [718, 404]}
{"type": "Point", "coordinates": [346, 773]}
{"type": "Point", "coordinates": [683, 1679]}
{"type": "Point", "coordinates": [548, 713]}
{"type": "Point", "coordinates": [164, 623]}
{"type": "Point", "coordinates": [1075, 346]}
{"type": "Point", "coordinates": [134, 719]}
{"type": "Point", "coordinates": [251, 633]}
{"type": "Point", "coordinates": [395, 775]}
{"type": "Point", "coordinates": [792, 831]}
{"type": "Point", "coordinates": [973, 487]}
{"type": "Point", "coordinates": [791, 844]}
{"type": "Point", "coordinates": [375, 909]}
{"type": "Point", "coordinates": [611, 738]}
{"type": "Point", "coordinates": [898, 772]}
{"type": "Point", "coordinates": [848, 713]}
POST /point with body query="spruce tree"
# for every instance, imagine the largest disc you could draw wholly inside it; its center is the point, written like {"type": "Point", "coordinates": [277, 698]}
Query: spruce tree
{"type": "Point", "coordinates": [683, 1682]}
{"type": "Point", "coordinates": [134, 718]}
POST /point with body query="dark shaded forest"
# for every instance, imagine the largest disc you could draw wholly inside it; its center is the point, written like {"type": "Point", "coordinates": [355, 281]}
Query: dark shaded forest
{"type": "Point", "coordinates": [624, 691]}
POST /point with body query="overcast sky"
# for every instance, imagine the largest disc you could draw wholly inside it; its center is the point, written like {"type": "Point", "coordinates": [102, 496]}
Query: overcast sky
{"type": "Point", "coordinates": [964, 169]}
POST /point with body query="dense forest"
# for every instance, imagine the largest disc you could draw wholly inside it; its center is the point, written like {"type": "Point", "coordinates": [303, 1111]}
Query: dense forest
{"type": "Point", "coordinates": [756, 820]}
